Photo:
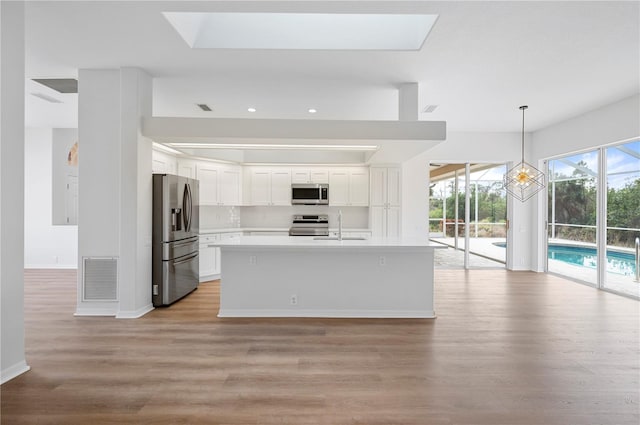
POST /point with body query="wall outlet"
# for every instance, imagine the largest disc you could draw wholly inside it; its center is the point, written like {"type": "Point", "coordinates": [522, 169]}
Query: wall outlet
{"type": "Point", "coordinates": [253, 259]}
{"type": "Point", "coordinates": [294, 300]}
{"type": "Point", "coordinates": [55, 259]}
{"type": "Point", "coordinates": [383, 261]}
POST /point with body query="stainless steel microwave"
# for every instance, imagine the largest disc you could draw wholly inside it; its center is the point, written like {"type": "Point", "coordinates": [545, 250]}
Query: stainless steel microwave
{"type": "Point", "coordinates": [310, 194]}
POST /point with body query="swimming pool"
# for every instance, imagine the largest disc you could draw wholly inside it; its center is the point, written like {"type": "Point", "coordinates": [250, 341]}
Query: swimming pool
{"type": "Point", "coordinates": [617, 262]}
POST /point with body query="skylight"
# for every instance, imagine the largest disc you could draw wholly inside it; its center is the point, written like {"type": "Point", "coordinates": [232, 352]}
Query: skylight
{"type": "Point", "coordinates": [303, 31]}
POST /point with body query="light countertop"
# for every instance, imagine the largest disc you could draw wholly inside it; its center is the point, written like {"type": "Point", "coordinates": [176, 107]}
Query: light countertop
{"type": "Point", "coordinates": [288, 242]}
{"type": "Point", "coordinates": [269, 229]}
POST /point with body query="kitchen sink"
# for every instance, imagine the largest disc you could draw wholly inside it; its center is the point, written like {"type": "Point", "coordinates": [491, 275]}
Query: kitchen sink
{"type": "Point", "coordinates": [335, 238]}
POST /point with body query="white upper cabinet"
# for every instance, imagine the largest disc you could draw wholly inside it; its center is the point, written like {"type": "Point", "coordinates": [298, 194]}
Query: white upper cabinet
{"type": "Point", "coordinates": [229, 187]}
{"type": "Point", "coordinates": [339, 187]}
{"type": "Point", "coordinates": [309, 175]}
{"type": "Point", "coordinates": [270, 186]}
{"type": "Point", "coordinates": [349, 187]}
{"type": "Point", "coordinates": [219, 184]}
{"type": "Point", "coordinates": [187, 168]}
{"type": "Point", "coordinates": [163, 163]}
{"type": "Point", "coordinates": [386, 188]}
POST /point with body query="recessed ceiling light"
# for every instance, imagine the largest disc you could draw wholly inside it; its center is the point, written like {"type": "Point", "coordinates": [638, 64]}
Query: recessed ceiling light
{"type": "Point", "coordinates": [251, 109]}
{"type": "Point", "coordinates": [312, 110]}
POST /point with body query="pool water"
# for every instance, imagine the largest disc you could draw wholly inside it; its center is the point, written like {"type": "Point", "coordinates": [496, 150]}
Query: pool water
{"type": "Point", "coordinates": [617, 262]}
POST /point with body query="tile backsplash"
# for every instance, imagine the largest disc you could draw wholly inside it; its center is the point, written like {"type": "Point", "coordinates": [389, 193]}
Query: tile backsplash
{"type": "Point", "coordinates": [216, 217]}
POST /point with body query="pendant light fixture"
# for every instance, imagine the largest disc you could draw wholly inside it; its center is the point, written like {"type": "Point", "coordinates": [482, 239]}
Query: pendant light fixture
{"type": "Point", "coordinates": [524, 180]}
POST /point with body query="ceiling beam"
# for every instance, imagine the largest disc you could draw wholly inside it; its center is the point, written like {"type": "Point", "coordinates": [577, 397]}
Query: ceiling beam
{"type": "Point", "coordinates": [164, 129]}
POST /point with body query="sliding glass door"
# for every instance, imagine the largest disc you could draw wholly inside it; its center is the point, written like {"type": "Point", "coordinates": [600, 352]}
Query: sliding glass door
{"type": "Point", "coordinates": [571, 248]}
{"type": "Point", "coordinates": [623, 218]}
{"type": "Point", "coordinates": [594, 217]}
{"type": "Point", "coordinates": [468, 214]}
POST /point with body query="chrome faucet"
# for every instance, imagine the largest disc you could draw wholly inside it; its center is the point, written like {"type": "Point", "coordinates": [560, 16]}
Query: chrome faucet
{"type": "Point", "coordinates": [339, 225]}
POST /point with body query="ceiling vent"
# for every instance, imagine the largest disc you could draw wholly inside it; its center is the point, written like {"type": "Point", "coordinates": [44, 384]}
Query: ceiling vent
{"type": "Point", "coordinates": [48, 98]}
{"type": "Point", "coordinates": [61, 85]}
{"type": "Point", "coordinates": [429, 108]}
{"type": "Point", "coordinates": [204, 107]}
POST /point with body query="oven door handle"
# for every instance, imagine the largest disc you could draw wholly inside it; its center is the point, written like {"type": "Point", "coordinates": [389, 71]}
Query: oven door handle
{"type": "Point", "coordinates": [186, 260]}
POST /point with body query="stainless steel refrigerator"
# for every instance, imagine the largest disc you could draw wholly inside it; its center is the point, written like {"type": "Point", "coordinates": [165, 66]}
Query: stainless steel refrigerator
{"type": "Point", "coordinates": [175, 260]}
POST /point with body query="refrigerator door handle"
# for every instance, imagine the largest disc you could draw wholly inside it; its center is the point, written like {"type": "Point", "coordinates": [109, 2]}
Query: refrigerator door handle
{"type": "Point", "coordinates": [186, 260]}
{"type": "Point", "coordinates": [186, 207]}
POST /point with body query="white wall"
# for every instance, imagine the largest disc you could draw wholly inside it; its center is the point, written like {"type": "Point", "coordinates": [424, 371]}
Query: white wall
{"type": "Point", "coordinates": [608, 124]}
{"type": "Point", "coordinates": [12, 87]}
{"type": "Point", "coordinates": [45, 245]}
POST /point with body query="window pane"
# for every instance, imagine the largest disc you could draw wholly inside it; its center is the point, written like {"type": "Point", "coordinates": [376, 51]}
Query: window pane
{"type": "Point", "coordinates": [623, 217]}
{"type": "Point", "coordinates": [572, 216]}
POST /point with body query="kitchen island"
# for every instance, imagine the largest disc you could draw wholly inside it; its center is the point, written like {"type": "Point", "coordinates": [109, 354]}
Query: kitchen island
{"type": "Point", "coordinates": [282, 276]}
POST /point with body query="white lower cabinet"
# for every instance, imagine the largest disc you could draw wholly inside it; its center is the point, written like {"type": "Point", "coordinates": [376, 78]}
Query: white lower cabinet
{"type": "Point", "coordinates": [210, 264]}
{"type": "Point", "coordinates": [209, 258]}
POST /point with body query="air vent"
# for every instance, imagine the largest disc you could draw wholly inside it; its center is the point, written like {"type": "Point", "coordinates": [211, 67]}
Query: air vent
{"type": "Point", "coordinates": [61, 85]}
{"type": "Point", "coordinates": [46, 97]}
{"type": "Point", "coordinates": [204, 107]}
{"type": "Point", "coordinates": [100, 279]}
{"type": "Point", "coordinates": [429, 108]}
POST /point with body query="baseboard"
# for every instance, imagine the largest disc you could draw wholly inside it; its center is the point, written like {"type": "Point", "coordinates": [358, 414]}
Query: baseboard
{"type": "Point", "coordinates": [51, 266]}
{"type": "Point", "coordinates": [134, 314]}
{"type": "Point", "coordinates": [209, 277]}
{"type": "Point", "coordinates": [13, 371]}
{"type": "Point", "coordinates": [370, 314]}
{"type": "Point", "coordinates": [98, 309]}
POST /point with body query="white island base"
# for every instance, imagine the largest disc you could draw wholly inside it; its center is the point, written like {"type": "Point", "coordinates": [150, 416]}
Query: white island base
{"type": "Point", "coordinates": [302, 277]}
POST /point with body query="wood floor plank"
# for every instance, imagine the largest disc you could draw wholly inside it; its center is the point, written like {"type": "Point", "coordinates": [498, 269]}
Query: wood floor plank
{"type": "Point", "coordinates": [507, 348]}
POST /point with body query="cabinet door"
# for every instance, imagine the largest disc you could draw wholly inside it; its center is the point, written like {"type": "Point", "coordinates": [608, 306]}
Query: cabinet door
{"type": "Point", "coordinates": [281, 187]}
{"type": "Point", "coordinates": [393, 222]}
{"type": "Point", "coordinates": [300, 176]}
{"type": "Point", "coordinates": [339, 187]}
{"type": "Point", "coordinates": [378, 186]}
{"type": "Point", "coordinates": [260, 187]}
{"type": "Point", "coordinates": [158, 166]}
{"type": "Point", "coordinates": [229, 187]}
{"type": "Point", "coordinates": [208, 177]}
{"type": "Point", "coordinates": [319, 176]}
{"type": "Point", "coordinates": [394, 187]}
{"type": "Point", "coordinates": [359, 188]}
{"type": "Point", "coordinates": [378, 222]}
{"type": "Point", "coordinates": [187, 169]}
{"type": "Point", "coordinates": [208, 262]}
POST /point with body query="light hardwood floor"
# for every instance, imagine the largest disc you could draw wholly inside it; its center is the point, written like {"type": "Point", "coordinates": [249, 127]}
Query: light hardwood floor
{"type": "Point", "coordinates": [507, 348]}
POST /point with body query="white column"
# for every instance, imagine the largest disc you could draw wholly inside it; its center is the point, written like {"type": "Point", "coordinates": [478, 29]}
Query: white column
{"type": "Point", "coordinates": [134, 291]}
{"type": "Point", "coordinates": [408, 102]}
{"type": "Point", "coordinates": [12, 75]}
{"type": "Point", "coordinates": [114, 202]}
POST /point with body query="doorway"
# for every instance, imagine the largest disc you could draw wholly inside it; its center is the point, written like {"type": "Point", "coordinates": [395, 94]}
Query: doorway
{"type": "Point", "coordinates": [468, 214]}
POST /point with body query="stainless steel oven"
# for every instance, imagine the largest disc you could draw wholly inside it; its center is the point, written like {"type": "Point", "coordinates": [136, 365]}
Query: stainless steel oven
{"type": "Point", "coordinates": [310, 225]}
{"type": "Point", "coordinates": [310, 194]}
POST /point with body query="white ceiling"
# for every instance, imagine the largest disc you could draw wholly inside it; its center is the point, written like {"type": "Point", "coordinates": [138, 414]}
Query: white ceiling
{"type": "Point", "coordinates": [480, 62]}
